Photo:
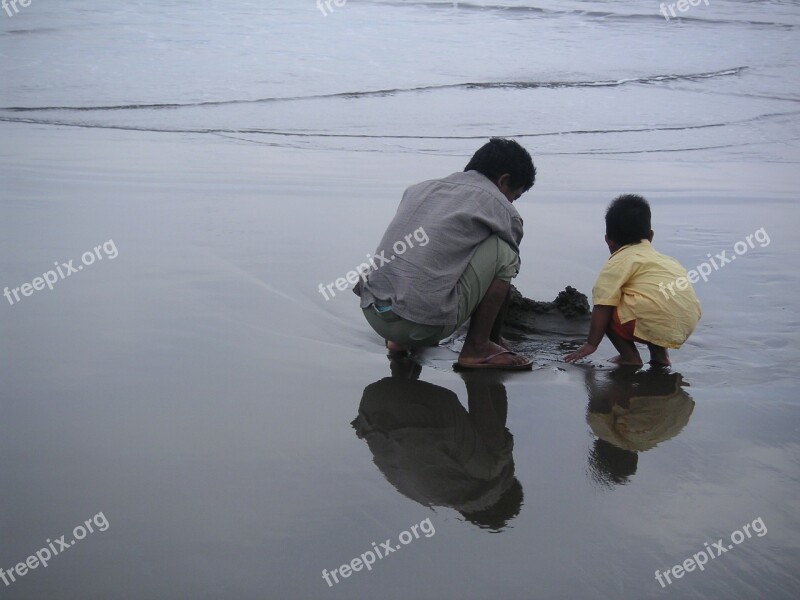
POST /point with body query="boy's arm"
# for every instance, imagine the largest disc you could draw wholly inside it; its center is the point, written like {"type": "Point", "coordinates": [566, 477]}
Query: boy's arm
{"type": "Point", "coordinates": [601, 317]}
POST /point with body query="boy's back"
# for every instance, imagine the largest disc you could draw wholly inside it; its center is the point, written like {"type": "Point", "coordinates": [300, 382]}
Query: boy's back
{"type": "Point", "coordinates": [644, 285]}
{"type": "Point", "coordinates": [640, 295]}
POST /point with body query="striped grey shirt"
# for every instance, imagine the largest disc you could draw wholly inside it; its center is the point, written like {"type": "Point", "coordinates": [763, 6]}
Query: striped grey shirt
{"type": "Point", "coordinates": [456, 214]}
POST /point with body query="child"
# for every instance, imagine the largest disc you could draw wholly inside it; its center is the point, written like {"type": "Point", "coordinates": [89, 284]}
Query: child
{"type": "Point", "coordinates": [631, 302]}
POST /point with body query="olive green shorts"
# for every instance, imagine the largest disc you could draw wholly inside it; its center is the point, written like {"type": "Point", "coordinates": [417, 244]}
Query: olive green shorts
{"type": "Point", "coordinates": [494, 259]}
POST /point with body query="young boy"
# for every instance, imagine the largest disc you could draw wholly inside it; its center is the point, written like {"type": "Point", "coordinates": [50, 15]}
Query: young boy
{"type": "Point", "coordinates": [464, 273]}
{"type": "Point", "coordinates": [640, 295]}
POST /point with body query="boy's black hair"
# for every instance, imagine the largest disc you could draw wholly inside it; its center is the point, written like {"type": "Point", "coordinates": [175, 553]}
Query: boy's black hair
{"type": "Point", "coordinates": [610, 465]}
{"type": "Point", "coordinates": [628, 220]}
{"type": "Point", "coordinates": [499, 156]}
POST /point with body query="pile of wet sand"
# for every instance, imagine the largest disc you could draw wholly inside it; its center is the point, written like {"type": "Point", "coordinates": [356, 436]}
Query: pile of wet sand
{"type": "Point", "coordinates": [567, 314]}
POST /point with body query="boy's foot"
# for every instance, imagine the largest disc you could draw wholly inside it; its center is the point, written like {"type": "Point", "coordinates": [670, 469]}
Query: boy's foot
{"type": "Point", "coordinates": [492, 356]}
{"type": "Point", "coordinates": [659, 357]}
{"type": "Point", "coordinates": [634, 361]}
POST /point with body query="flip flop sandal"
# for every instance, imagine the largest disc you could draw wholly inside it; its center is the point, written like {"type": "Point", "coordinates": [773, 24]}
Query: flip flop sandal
{"type": "Point", "coordinates": [486, 363]}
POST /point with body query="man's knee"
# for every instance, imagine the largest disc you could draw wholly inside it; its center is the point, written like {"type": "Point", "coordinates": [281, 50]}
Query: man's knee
{"type": "Point", "coordinates": [497, 256]}
{"type": "Point", "coordinates": [507, 261]}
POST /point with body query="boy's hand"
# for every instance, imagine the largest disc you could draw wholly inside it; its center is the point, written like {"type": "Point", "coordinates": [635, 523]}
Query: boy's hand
{"type": "Point", "coordinates": [601, 317]}
{"type": "Point", "coordinates": [584, 350]}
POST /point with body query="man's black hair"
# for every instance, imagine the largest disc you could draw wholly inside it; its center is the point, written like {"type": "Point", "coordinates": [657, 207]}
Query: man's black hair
{"type": "Point", "coordinates": [496, 517]}
{"type": "Point", "coordinates": [628, 220]}
{"type": "Point", "coordinates": [499, 156]}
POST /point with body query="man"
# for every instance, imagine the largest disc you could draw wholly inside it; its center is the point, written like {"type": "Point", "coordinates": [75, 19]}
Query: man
{"type": "Point", "coordinates": [421, 296]}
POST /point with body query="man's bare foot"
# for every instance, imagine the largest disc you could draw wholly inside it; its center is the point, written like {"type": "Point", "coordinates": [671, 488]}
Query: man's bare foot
{"type": "Point", "coordinates": [502, 357]}
{"type": "Point", "coordinates": [502, 342]}
{"type": "Point", "coordinates": [635, 361]}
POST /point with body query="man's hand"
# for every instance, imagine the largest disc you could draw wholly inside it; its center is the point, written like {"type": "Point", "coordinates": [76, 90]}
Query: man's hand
{"type": "Point", "coordinates": [584, 350]}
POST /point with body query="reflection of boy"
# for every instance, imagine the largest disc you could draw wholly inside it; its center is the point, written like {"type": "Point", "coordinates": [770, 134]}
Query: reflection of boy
{"type": "Point", "coordinates": [637, 411]}
{"type": "Point", "coordinates": [632, 411]}
{"type": "Point", "coordinates": [628, 303]}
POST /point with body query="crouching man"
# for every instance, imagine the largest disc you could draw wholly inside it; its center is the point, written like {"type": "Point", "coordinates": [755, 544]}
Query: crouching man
{"type": "Point", "coordinates": [423, 295]}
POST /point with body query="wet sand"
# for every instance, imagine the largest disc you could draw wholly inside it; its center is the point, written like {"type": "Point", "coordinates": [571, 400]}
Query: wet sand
{"type": "Point", "coordinates": [200, 392]}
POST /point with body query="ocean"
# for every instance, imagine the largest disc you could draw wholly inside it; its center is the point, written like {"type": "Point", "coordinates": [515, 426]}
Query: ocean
{"type": "Point", "coordinates": [184, 415]}
{"type": "Point", "coordinates": [569, 77]}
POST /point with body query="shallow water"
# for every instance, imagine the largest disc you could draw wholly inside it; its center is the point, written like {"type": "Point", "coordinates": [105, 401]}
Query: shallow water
{"type": "Point", "coordinates": [199, 391]}
{"type": "Point", "coordinates": [240, 434]}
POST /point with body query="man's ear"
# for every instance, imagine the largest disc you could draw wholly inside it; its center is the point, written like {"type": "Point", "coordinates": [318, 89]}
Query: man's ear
{"type": "Point", "coordinates": [502, 181]}
{"type": "Point", "coordinates": [650, 236]}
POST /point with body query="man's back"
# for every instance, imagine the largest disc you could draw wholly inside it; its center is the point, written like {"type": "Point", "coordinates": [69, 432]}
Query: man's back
{"type": "Point", "coordinates": [418, 274]}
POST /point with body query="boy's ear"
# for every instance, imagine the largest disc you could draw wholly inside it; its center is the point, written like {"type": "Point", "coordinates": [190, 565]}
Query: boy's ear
{"type": "Point", "coordinates": [650, 236]}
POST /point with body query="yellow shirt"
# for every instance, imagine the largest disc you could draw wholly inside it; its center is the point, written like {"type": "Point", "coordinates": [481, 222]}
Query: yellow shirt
{"type": "Point", "coordinates": [648, 420]}
{"type": "Point", "coordinates": [637, 279]}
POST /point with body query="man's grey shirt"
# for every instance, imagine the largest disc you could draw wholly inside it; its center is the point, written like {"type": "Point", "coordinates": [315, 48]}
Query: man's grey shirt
{"type": "Point", "coordinates": [456, 213]}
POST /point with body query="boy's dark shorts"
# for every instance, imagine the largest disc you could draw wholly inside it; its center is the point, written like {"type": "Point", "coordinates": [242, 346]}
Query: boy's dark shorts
{"type": "Point", "coordinates": [625, 330]}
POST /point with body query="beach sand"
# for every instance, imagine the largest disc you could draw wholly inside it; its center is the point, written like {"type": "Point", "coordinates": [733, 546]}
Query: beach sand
{"type": "Point", "coordinates": [199, 390]}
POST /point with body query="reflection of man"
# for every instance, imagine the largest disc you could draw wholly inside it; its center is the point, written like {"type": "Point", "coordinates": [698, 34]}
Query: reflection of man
{"type": "Point", "coordinates": [435, 452]}
{"type": "Point", "coordinates": [632, 411]}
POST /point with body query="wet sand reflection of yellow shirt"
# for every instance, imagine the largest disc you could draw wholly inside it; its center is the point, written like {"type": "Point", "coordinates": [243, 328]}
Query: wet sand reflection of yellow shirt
{"type": "Point", "coordinates": [630, 281]}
